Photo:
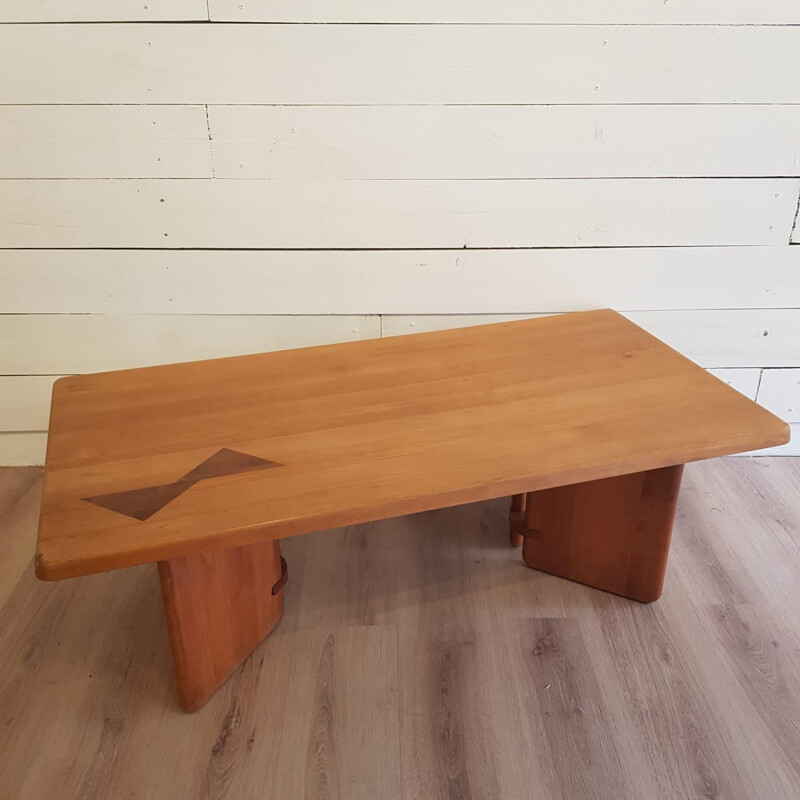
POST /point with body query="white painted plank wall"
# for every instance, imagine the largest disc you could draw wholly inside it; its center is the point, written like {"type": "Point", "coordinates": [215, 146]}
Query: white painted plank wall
{"type": "Point", "coordinates": [443, 11]}
{"type": "Point", "coordinates": [70, 343]}
{"type": "Point", "coordinates": [568, 141]}
{"type": "Point", "coordinates": [398, 64]}
{"type": "Point", "coordinates": [780, 393]}
{"type": "Point", "coordinates": [25, 402]}
{"type": "Point", "coordinates": [76, 343]}
{"type": "Point", "coordinates": [73, 343]}
{"type": "Point", "coordinates": [315, 213]}
{"type": "Point", "coordinates": [102, 10]}
{"type": "Point", "coordinates": [592, 166]}
{"type": "Point", "coordinates": [104, 142]}
{"type": "Point", "coordinates": [624, 12]}
{"type": "Point", "coordinates": [22, 449]}
{"type": "Point", "coordinates": [711, 338]}
{"type": "Point", "coordinates": [399, 281]}
{"type": "Point", "coordinates": [423, 142]}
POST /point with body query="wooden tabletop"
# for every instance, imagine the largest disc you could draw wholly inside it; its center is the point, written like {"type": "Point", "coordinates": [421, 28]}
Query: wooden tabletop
{"type": "Point", "coordinates": [147, 464]}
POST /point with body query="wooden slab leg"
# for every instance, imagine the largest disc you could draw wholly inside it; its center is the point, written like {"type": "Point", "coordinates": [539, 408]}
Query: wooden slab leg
{"type": "Point", "coordinates": [516, 519]}
{"type": "Point", "coordinates": [219, 606]}
{"type": "Point", "coordinates": [612, 534]}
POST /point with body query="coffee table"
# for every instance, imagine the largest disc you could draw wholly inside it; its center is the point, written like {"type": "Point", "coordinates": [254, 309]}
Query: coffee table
{"type": "Point", "coordinates": [585, 419]}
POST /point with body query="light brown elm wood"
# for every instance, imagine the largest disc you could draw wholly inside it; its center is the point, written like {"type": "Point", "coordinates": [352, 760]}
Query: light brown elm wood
{"type": "Point", "coordinates": [219, 606]}
{"type": "Point", "coordinates": [372, 429]}
{"type": "Point", "coordinates": [612, 534]}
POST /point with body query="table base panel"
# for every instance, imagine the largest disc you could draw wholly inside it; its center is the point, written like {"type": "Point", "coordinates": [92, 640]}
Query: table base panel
{"type": "Point", "coordinates": [612, 534]}
{"type": "Point", "coordinates": [219, 606]}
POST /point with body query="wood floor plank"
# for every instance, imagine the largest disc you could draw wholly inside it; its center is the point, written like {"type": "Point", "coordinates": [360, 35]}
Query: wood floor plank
{"type": "Point", "coordinates": [761, 653]}
{"type": "Point", "coordinates": [20, 494]}
{"type": "Point", "coordinates": [666, 705]}
{"type": "Point", "coordinates": [739, 538]}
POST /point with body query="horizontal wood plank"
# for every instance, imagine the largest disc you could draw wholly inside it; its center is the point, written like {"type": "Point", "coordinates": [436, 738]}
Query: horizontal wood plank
{"type": "Point", "coordinates": [742, 379]}
{"type": "Point", "coordinates": [747, 338]}
{"type": "Point", "coordinates": [780, 393]}
{"type": "Point", "coordinates": [104, 142]}
{"type": "Point", "coordinates": [398, 282]}
{"type": "Point", "coordinates": [505, 142]}
{"type": "Point", "coordinates": [625, 12]}
{"type": "Point", "coordinates": [64, 344]}
{"type": "Point", "coordinates": [25, 402]}
{"type": "Point", "coordinates": [102, 10]}
{"type": "Point", "coordinates": [714, 339]}
{"type": "Point", "coordinates": [22, 449]}
{"type": "Point", "coordinates": [398, 64]}
{"type": "Point", "coordinates": [302, 214]}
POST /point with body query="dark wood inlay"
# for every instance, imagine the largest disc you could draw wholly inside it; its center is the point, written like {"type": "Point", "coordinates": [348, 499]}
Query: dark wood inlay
{"type": "Point", "coordinates": [281, 582]}
{"type": "Point", "coordinates": [142, 503]}
{"type": "Point", "coordinates": [227, 462]}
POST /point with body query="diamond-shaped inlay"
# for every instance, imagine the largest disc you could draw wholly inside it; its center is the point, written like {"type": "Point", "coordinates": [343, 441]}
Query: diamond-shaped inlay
{"type": "Point", "coordinates": [141, 504]}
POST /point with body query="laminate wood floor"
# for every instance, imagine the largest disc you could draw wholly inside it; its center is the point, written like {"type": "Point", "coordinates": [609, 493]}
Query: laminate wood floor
{"type": "Point", "coordinates": [419, 659]}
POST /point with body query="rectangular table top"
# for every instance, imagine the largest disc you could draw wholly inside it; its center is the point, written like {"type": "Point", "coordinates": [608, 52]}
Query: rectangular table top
{"type": "Point", "coordinates": [147, 464]}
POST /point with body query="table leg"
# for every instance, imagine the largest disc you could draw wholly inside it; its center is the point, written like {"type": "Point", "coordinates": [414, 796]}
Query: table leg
{"type": "Point", "coordinates": [219, 604]}
{"type": "Point", "coordinates": [612, 534]}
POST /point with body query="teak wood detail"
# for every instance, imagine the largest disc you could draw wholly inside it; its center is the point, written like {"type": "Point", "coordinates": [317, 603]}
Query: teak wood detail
{"type": "Point", "coordinates": [612, 534]}
{"type": "Point", "coordinates": [219, 606]}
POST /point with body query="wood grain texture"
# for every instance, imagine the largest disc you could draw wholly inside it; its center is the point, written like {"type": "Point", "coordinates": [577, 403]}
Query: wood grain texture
{"type": "Point", "coordinates": [612, 534]}
{"type": "Point", "coordinates": [25, 406]}
{"type": "Point", "coordinates": [506, 682]}
{"type": "Point", "coordinates": [219, 606]}
{"type": "Point", "coordinates": [104, 142]}
{"type": "Point", "coordinates": [397, 64]}
{"type": "Point", "coordinates": [314, 213]}
{"type": "Point", "coordinates": [399, 282]}
{"type": "Point", "coordinates": [791, 448]}
{"type": "Point", "coordinates": [652, 12]}
{"type": "Point", "coordinates": [373, 429]}
{"type": "Point", "coordinates": [588, 141]}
